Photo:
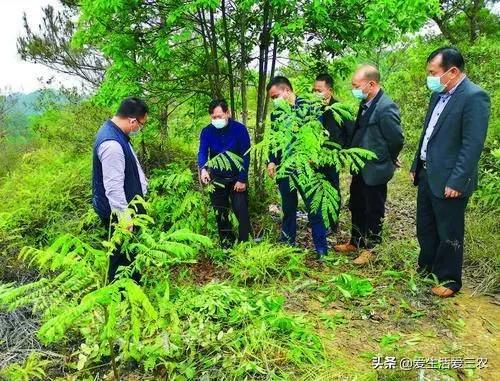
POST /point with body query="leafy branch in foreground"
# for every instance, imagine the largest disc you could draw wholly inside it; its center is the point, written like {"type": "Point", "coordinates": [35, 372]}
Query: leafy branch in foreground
{"type": "Point", "coordinates": [299, 137]}
{"type": "Point", "coordinates": [31, 369]}
{"type": "Point", "coordinates": [175, 203]}
{"type": "Point", "coordinates": [73, 296]}
{"type": "Point", "coordinates": [226, 161]}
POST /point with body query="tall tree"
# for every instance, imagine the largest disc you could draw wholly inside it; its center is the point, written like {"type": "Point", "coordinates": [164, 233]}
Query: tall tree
{"type": "Point", "coordinates": [465, 19]}
{"type": "Point", "coordinates": [51, 46]}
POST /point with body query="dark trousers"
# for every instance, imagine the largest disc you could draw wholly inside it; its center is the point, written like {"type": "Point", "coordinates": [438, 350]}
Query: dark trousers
{"type": "Point", "coordinates": [221, 197]}
{"type": "Point", "coordinates": [289, 202]}
{"type": "Point", "coordinates": [332, 176]}
{"type": "Point", "coordinates": [117, 258]}
{"type": "Point", "coordinates": [367, 206]}
{"type": "Point", "coordinates": [440, 233]}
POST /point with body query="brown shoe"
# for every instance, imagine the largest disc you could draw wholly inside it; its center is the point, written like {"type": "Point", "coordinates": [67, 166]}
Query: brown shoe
{"type": "Point", "coordinates": [365, 257]}
{"type": "Point", "coordinates": [345, 248]}
{"type": "Point", "coordinates": [443, 292]}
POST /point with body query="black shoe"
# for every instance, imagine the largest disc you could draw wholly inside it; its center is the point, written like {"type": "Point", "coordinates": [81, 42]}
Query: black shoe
{"type": "Point", "coordinates": [321, 255]}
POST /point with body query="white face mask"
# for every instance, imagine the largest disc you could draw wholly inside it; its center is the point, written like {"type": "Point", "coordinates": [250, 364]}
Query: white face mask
{"type": "Point", "coordinates": [135, 133]}
{"type": "Point", "coordinates": [278, 101]}
{"type": "Point", "coordinates": [219, 123]}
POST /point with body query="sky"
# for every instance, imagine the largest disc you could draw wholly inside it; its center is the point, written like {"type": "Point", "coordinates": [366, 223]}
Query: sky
{"type": "Point", "coordinates": [15, 74]}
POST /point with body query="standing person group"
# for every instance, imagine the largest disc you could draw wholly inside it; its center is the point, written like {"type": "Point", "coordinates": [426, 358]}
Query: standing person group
{"type": "Point", "coordinates": [444, 168]}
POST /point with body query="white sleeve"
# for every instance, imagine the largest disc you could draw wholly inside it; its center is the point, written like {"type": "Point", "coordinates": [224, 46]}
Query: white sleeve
{"type": "Point", "coordinates": [112, 158]}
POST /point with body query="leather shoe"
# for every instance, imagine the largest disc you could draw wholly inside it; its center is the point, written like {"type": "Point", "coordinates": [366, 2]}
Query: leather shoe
{"type": "Point", "coordinates": [365, 257]}
{"type": "Point", "coordinates": [443, 292]}
{"type": "Point", "coordinates": [345, 248]}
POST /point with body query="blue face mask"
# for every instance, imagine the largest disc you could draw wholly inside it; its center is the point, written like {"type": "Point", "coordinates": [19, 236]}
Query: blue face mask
{"type": "Point", "coordinates": [219, 123]}
{"type": "Point", "coordinates": [358, 93]}
{"type": "Point", "coordinates": [434, 83]}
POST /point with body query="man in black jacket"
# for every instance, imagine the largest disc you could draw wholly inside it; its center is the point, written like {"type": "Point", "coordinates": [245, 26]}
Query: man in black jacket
{"type": "Point", "coordinates": [377, 129]}
{"type": "Point", "coordinates": [445, 166]}
{"type": "Point", "coordinates": [338, 133]}
{"type": "Point", "coordinates": [280, 89]}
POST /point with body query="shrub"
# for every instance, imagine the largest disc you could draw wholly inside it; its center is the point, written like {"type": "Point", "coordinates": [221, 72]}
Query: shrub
{"type": "Point", "coordinates": [47, 194]}
{"type": "Point", "coordinates": [264, 262]}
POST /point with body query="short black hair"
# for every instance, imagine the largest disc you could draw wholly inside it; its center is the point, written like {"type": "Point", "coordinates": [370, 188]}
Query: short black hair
{"type": "Point", "coordinates": [132, 107]}
{"type": "Point", "coordinates": [214, 103]}
{"type": "Point", "coordinates": [327, 78]}
{"type": "Point", "coordinates": [451, 57]}
{"type": "Point", "coordinates": [279, 80]}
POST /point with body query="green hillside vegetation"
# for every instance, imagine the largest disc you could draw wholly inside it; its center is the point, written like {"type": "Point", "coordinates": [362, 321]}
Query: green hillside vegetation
{"type": "Point", "coordinates": [261, 310]}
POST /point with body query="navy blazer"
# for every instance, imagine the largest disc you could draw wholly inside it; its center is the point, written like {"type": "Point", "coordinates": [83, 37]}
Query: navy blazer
{"type": "Point", "coordinates": [456, 143]}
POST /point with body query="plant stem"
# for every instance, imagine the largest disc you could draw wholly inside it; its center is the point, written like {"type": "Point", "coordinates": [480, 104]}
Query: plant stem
{"type": "Point", "coordinates": [111, 349]}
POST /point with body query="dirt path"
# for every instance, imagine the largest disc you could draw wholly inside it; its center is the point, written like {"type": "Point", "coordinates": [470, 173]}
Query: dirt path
{"type": "Point", "coordinates": [478, 336]}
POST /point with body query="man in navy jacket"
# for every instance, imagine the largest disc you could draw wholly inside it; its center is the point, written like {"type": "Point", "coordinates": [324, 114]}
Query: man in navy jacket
{"type": "Point", "coordinates": [445, 166]}
{"type": "Point", "coordinates": [224, 137]}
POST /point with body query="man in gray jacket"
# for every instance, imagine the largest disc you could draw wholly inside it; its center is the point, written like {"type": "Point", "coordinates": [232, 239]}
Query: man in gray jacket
{"type": "Point", "coordinates": [445, 166]}
{"type": "Point", "coordinates": [377, 129]}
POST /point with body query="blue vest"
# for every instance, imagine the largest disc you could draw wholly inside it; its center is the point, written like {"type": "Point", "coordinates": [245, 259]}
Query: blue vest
{"type": "Point", "coordinates": [132, 185]}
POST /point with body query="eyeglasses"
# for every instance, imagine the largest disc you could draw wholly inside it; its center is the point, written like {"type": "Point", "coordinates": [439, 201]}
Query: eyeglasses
{"type": "Point", "coordinates": [141, 125]}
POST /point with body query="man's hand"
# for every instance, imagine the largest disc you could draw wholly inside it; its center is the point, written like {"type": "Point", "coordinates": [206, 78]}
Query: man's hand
{"type": "Point", "coordinates": [271, 169]}
{"type": "Point", "coordinates": [130, 228]}
{"type": "Point", "coordinates": [397, 163]}
{"type": "Point", "coordinates": [205, 176]}
{"type": "Point", "coordinates": [451, 193]}
{"type": "Point", "coordinates": [240, 187]}
{"type": "Point", "coordinates": [412, 176]}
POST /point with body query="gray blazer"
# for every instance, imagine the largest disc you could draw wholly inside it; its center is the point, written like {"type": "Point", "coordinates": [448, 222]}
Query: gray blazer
{"type": "Point", "coordinates": [379, 130]}
{"type": "Point", "coordinates": [456, 143]}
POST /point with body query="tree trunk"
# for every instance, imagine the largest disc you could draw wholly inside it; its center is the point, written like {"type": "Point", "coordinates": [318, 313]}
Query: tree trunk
{"type": "Point", "coordinates": [163, 119]}
{"type": "Point", "coordinates": [261, 94]}
{"type": "Point", "coordinates": [443, 27]}
{"type": "Point", "coordinates": [215, 58]}
{"type": "Point", "coordinates": [243, 72]}
{"type": "Point", "coordinates": [203, 28]}
{"type": "Point", "coordinates": [472, 14]}
{"type": "Point", "coordinates": [273, 69]}
{"type": "Point", "coordinates": [228, 58]}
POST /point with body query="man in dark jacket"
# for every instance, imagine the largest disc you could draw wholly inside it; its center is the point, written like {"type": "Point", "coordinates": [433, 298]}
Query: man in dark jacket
{"type": "Point", "coordinates": [338, 133]}
{"type": "Point", "coordinates": [225, 136]}
{"type": "Point", "coordinates": [377, 129]}
{"type": "Point", "coordinates": [117, 175]}
{"type": "Point", "coordinates": [445, 167]}
{"type": "Point", "coordinates": [280, 89]}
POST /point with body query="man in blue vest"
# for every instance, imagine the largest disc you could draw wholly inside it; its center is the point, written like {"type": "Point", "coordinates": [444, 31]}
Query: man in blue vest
{"type": "Point", "coordinates": [117, 175]}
